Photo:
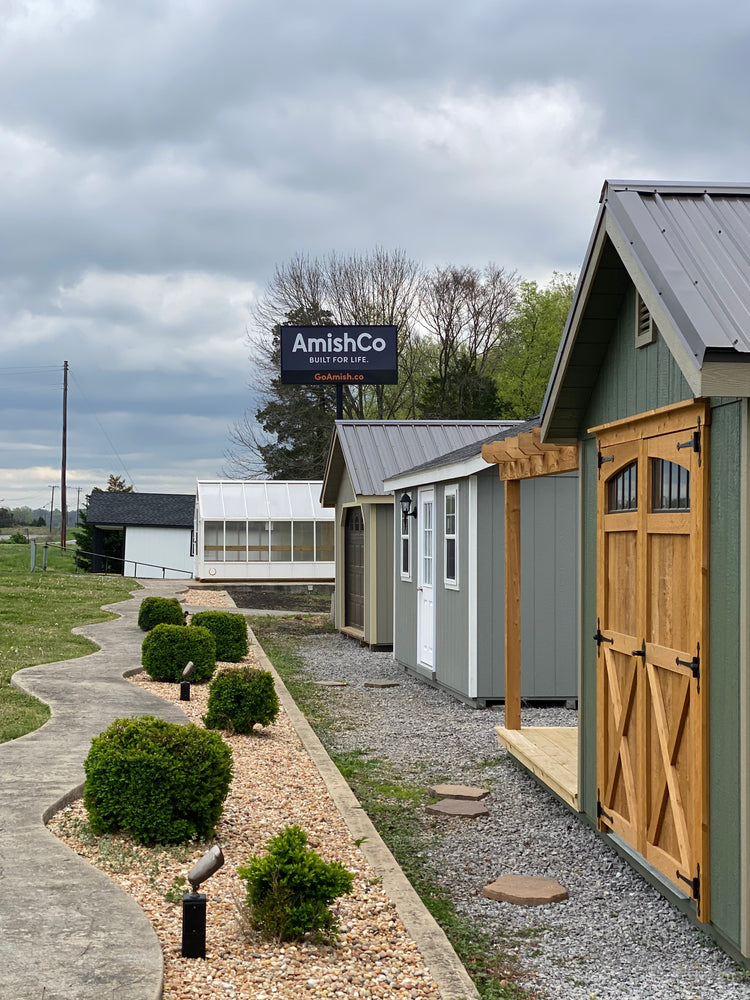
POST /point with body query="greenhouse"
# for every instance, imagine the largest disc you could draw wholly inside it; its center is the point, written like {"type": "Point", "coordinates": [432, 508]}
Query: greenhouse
{"type": "Point", "coordinates": [259, 531]}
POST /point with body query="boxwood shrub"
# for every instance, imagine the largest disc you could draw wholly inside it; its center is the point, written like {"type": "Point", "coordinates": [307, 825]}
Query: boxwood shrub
{"type": "Point", "coordinates": [167, 649]}
{"type": "Point", "coordinates": [156, 781]}
{"type": "Point", "coordinates": [240, 697]}
{"type": "Point", "coordinates": [290, 889]}
{"type": "Point", "coordinates": [229, 631]}
{"type": "Point", "coordinates": [160, 610]}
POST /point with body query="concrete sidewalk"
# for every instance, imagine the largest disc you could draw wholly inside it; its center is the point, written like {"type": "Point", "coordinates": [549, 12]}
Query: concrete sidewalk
{"type": "Point", "coordinates": [67, 932]}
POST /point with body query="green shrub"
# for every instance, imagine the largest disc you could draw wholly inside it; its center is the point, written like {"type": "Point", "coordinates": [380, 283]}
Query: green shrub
{"type": "Point", "coordinates": [167, 649]}
{"type": "Point", "coordinates": [229, 632]}
{"type": "Point", "coordinates": [160, 611]}
{"type": "Point", "coordinates": [240, 697]}
{"type": "Point", "coordinates": [18, 538]}
{"type": "Point", "coordinates": [290, 889]}
{"type": "Point", "coordinates": [156, 781]}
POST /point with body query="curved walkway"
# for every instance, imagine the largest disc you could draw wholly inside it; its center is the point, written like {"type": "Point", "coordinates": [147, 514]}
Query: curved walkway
{"type": "Point", "coordinates": [67, 932]}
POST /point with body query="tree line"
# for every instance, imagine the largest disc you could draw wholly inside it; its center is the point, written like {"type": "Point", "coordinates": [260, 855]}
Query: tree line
{"type": "Point", "coordinates": [473, 344]}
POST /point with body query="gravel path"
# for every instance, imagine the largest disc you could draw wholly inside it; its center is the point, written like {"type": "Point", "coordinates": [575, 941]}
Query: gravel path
{"type": "Point", "coordinates": [615, 936]}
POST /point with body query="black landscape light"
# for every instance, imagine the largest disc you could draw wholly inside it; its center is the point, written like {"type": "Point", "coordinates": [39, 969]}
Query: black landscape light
{"type": "Point", "coordinates": [194, 904]}
{"type": "Point", "coordinates": [185, 683]}
{"type": "Point", "coordinates": [405, 501]}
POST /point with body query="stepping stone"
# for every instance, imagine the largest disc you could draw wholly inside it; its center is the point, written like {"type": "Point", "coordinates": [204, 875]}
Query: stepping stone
{"type": "Point", "coordinates": [458, 807]}
{"type": "Point", "coordinates": [332, 684]}
{"type": "Point", "coordinates": [459, 792]}
{"type": "Point", "coordinates": [382, 684]}
{"type": "Point", "coordinates": [525, 890]}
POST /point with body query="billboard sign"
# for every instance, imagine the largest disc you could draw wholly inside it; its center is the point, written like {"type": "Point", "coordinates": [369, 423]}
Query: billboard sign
{"type": "Point", "coordinates": [337, 355]}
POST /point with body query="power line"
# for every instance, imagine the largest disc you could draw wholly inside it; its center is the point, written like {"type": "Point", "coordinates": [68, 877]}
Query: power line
{"type": "Point", "coordinates": [101, 428]}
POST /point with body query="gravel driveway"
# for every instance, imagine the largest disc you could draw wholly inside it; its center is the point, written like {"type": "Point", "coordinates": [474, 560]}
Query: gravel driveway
{"type": "Point", "coordinates": [615, 936]}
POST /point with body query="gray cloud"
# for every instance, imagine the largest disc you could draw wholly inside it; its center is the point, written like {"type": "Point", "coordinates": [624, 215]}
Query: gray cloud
{"type": "Point", "coordinates": [160, 158]}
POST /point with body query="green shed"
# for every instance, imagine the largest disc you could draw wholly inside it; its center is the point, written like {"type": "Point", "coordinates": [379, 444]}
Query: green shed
{"type": "Point", "coordinates": [652, 381]}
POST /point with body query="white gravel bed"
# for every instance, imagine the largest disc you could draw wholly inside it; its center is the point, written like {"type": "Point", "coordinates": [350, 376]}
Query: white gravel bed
{"type": "Point", "coordinates": [275, 784]}
{"type": "Point", "coordinates": [615, 936]}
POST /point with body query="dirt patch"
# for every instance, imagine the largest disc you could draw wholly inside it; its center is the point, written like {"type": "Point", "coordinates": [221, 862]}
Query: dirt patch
{"type": "Point", "coordinates": [280, 600]}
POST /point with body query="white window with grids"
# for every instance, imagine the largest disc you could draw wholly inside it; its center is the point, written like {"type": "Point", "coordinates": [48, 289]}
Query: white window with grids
{"type": "Point", "coordinates": [405, 553]}
{"type": "Point", "coordinates": [450, 537]}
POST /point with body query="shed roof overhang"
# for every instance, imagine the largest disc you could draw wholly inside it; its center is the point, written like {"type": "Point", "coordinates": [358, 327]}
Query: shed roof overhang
{"type": "Point", "coordinates": [525, 456]}
{"type": "Point", "coordinates": [685, 248]}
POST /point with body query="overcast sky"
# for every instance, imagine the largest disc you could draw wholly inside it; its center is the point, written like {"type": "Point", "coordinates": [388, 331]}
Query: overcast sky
{"type": "Point", "coordinates": [160, 157]}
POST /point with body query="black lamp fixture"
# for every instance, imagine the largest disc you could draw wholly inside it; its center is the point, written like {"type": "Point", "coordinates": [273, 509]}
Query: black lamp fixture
{"type": "Point", "coordinates": [406, 509]}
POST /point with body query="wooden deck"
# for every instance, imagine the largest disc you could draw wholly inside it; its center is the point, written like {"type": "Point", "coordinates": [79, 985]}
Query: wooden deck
{"type": "Point", "coordinates": [549, 752]}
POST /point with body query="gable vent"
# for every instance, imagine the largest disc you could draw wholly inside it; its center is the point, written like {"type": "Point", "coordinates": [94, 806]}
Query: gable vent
{"type": "Point", "coordinates": [645, 331]}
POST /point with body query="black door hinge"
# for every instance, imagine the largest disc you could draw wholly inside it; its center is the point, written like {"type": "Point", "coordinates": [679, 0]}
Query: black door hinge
{"type": "Point", "coordinates": [694, 442]}
{"type": "Point", "coordinates": [601, 459]}
{"type": "Point", "coordinates": [640, 652]}
{"type": "Point", "coordinates": [600, 812]}
{"type": "Point", "coordinates": [694, 665]}
{"type": "Point", "coordinates": [599, 638]}
{"type": "Point", "coordinates": [694, 883]}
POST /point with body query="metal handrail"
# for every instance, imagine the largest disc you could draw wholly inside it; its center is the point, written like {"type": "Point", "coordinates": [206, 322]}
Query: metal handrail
{"type": "Point", "coordinates": [107, 559]}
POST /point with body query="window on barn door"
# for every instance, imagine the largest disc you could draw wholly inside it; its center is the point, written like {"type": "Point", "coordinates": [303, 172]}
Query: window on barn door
{"type": "Point", "coordinates": [450, 538]}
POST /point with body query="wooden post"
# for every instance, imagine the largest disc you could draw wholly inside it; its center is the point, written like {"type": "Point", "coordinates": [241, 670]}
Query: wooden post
{"type": "Point", "coordinates": [512, 604]}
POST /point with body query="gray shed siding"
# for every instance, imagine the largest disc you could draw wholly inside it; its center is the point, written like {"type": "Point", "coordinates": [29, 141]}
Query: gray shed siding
{"type": "Point", "coordinates": [632, 381]}
{"type": "Point", "coordinates": [452, 612]}
{"type": "Point", "coordinates": [469, 621]}
{"type": "Point", "coordinates": [549, 605]}
{"type": "Point", "coordinates": [382, 633]}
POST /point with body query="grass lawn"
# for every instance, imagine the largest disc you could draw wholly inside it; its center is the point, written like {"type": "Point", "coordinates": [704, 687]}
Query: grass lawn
{"type": "Point", "coordinates": [37, 612]}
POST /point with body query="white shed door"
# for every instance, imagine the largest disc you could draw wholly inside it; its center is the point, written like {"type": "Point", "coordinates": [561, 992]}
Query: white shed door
{"type": "Point", "coordinates": [426, 578]}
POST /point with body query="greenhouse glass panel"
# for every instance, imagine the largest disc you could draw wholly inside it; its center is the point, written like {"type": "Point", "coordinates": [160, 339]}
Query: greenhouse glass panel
{"type": "Point", "coordinates": [255, 499]}
{"type": "Point", "coordinates": [234, 501]}
{"type": "Point", "coordinates": [235, 541]}
{"type": "Point", "coordinates": [304, 541]}
{"type": "Point", "coordinates": [279, 507]}
{"type": "Point", "coordinates": [324, 541]}
{"type": "Point", "coordinates": [211, 506]}
{"type": "Point", "coordinates": [213, 541]}
{"type": "Point", "coordinates": [281, 541]}
{"type": "Point", "coordinates": [257, 541]}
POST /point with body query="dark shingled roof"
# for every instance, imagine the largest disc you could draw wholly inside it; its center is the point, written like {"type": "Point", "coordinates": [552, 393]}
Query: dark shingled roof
{"type": "Point", "coordinates": [475, 448]}
{"type": "Point", "coordinates": [146, 510]}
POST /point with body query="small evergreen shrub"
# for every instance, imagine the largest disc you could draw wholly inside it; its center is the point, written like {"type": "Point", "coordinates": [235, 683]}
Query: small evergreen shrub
{"type": "Point", "coordinates": [229, 632]}
{"type": "Point", "coordinates": [167, 649]}
{"type": "Point", "coordinates": [240, 697]}
{"type": "Point", "coordinates": [160, 611]}
{"type": "Point", "coordinates": [290, 888]}
{"type": "Point", "coordinates": [156, 781]}
{"type": "Point", "coordinates": [18, 538]}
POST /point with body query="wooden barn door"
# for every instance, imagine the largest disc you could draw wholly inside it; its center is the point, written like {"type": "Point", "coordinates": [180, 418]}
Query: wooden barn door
{"type": "Point", "coordinates": [354, 568]}
{"type": "Point", "coordinates": [652, 586]}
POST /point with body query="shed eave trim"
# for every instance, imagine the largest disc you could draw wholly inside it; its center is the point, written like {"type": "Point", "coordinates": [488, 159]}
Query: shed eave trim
{"type": "Point", "coordinates": [437, 474]}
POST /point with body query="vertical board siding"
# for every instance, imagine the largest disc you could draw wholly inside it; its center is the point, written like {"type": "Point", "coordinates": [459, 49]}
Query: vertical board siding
{"type": "Point", "coordinates": [724, 669]}
{"type": "Point", "coordinates": [452, 606]}
{"type": "Point", "coordinates": [632, 381]}
{"type": "Point", "coordinates": [405, 596]}
{"type": "Point", "coordinates": [490, 586]}
{"type": "Point", "coordinates": [549, 612]}
{"type": "Point", "coordinates": [384, 515]}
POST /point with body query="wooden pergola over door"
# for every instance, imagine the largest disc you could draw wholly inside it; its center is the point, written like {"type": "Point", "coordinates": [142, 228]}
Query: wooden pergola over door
{"type": "Point", "coordinates": [652, 598]}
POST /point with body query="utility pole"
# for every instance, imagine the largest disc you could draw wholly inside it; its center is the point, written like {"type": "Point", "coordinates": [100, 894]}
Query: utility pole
{"type": "Point", "coordinates": [63, 491]}
{"type": "Point", "coordinates": [51, 508]}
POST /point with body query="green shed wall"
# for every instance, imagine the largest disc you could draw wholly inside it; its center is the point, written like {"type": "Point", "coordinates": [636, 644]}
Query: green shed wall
{"type": "Point", "coordinates": [631, 381]}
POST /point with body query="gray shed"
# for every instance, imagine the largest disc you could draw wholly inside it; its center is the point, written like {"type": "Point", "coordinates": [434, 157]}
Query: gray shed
{"type": "Point", "coordinates": [449, 579]}
{"type": "Point", "coordinates": [361, 455]}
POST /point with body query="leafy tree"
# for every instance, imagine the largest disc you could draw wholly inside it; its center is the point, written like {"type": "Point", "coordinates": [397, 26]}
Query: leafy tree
{"type": "Point", "coordinates": [288, 437]}
{"type": "Point", "coordinates": [116, 484]}
{"type": "Point", "coordinates": [6, 518]}
{"type": "Point", "coordinates": [529, 353]}
{"type": "Point", "coordinates": [466, 313]}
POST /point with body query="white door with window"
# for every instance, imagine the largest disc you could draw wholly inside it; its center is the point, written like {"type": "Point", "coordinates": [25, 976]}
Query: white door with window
{"type": "Point", "coordinates": [426, 579]}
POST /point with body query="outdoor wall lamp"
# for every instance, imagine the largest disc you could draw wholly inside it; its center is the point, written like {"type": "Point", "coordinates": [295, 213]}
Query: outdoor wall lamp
{"type": "Point", "coordinates": [405, 502]}
{"type": "Point", "coordinates": [194, 904]}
